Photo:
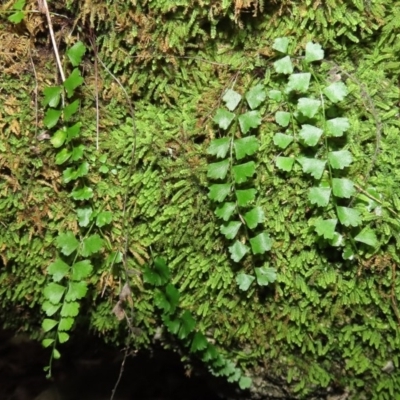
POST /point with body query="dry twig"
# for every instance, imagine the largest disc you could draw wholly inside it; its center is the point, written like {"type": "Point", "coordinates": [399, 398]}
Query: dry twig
{"type": "Point", "coordinates": [43, 6]}
{"type": "Point", "coordinates": [35, 91]}
{"type": "Point", "coordinates": [96, 77]}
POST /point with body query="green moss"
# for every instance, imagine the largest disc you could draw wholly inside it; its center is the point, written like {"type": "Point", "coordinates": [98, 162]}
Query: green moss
{"type": "Point", "coordinates": [325, 320]}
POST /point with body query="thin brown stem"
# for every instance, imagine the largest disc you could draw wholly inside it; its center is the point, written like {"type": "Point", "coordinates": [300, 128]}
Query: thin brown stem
{"type": "Point", "coordinates": [53, 39]}
{"type": "Point", "coordinates": [35, 91]}
{"type": "Point", "coordinates": [96, 78]}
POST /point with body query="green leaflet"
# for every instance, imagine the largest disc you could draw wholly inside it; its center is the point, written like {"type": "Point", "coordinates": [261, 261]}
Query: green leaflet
{"type": "Point", "coordinates": [58, 269]}
{"type": "Point", "coordinates": [348, 216]}
{"type": "Point", "coordinates": [47, 342]}
{"type": "Point", "coordinates": [52, 96]}
{"type": "Point", "coordinates": [72, 82]}
{"type": "Point", "coordinates": [76, 291]}
{"type": "Point", "coordinates": [67, 243]}
{"type": "Point", "coordinates": [223, 118]}
{"type": "Point", "coordinates": [337, 126]}
{"type": "Point", "coordinates": [225, 211]}
{"type": "Point", "coordinates": [76, 52]}
{"type": "Point", "coordinates": [161, 301]}
{"type": "Point", "coordinates": [314, 52]}
{"type": "Point", "coordinates": [340, 159]}
{"type": "Point", "coordinates": [285, 163]}
{"type": "Point", "coordinates": [62, 337]}
{"type": "Point", "coordinates": [246, 146]}
{"type": "Point", "coordinates": [219, 147]}
{"type": "Point", "coordinates": [319, 196]}
{"type": "Point", "coordinates": [298, 82]}
{"type": "Point", "coordinates": [49, 308]}
{"type": "Point", "coordinates": [48, 324]}
{"type": "Point", "coordinates": [255, 96]}
{"type": "Point", "coordinates": [245, 197]}
{"type": "Point", "coordinates": [199, 342]}
{"type": "Point", "coordinates": [265, 275]}
{"type": "Point", "coordinates": [219, 192]}
{"type": "Point", "coordinates": [308, 107]}
{"type": "Point", "coordinates": [281, 44]}
{"type": "Point", "coordinates": [284, 66]}
{"type": "Point", "coordinates": [62, 156]}
{"type": "Point", "coordinates": [231, 99]}
{"type": "Point", "coordinates": [70, 309]}
{"type": "Point", "coordinates": [65, 324]}
{"type": "Point", "coordinates": [84, 193]}
{"type": "Point", "coordinates": [103, 218]}
{"type": "Point", "coordinates": [367, 236]}
{"type": "Point", "coordinates": [275, 95]}
{"type": "Point", "coordinates": [342, 187]}
{"type": "Point", "coordinates": [173, 296]}
{"type": "Point", "coordinates": [50, 120]}
{"type": "Point", "coordinates": [336, 92]}
{"type": "Point", "coordinates": [249, 120]}
{"type": "Point", "coordinates": [72, 174]}
{"type": "Point", "coordinates": [73, 132]}
{"type": "Point", "coordinates": [245, 382]}
{"type": "Point", "coordinates": [84, 215]}
{"type": "Point", "coordinates": [312, 166]}
{"type": "Point", "coordinates": [81, 270]}
{"type": "Point", "coordinates": [17, 16]}
{"type": "Point", "coordinates": [261, 243]}
{"type": "Point", "coordinates": [187, 325]}
{"type": "Point", "coordinates": [282, 140]}
{"type": "Point", "coordinates": [282, 118]}
{"type": "Point", "coordinates": [54, 292]}
{"type": "Point", "coordinates": [159, 274]}
{"type": "Point", "coordinates": [238, 250]}
{"type": "Point", "coordinates": [244, 281]}
{"type": "Point", "coordinates": [254, 217]}
{"type": "Point", "coordinates": [243, 172]}
{"type": "Point", "coordinates": [218, 170]}
{"type": "Point", "coordinates": [59, 136]}
{"type": "Point", "coordinates": [231, 229]}
{"type": "Point", "coordinates": [310, 134]}
{"type": "Point", "coordinates": [70, 110]}
{"type": "Point", "coordinates": [326, 228]}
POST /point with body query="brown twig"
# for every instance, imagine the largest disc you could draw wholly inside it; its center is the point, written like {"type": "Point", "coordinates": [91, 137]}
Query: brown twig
{"type": "Point", "coordinates": [96, 78]}
{"type": "Point", "coordinates": [35, 91]}
{"type": "Point", "coordinates": [121, 371]}
{"type": "Point", "coordinates": [45, 8]}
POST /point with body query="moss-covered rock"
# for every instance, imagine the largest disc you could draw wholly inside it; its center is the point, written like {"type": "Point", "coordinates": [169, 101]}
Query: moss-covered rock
{"type": "Point", "coordinates": [327, 321]}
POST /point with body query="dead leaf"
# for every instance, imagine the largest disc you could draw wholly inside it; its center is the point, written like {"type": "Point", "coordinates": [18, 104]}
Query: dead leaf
{"type": "Point", "coordinates": [118, 311]}
{"type": "Point", "coordinates": [125, 293]}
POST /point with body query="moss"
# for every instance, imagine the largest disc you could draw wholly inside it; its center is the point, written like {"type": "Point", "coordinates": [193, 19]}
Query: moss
{"type": "Point", "coordinates": [326, 321]}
